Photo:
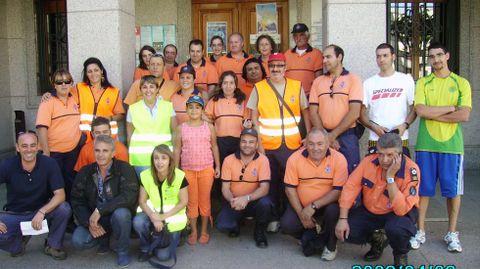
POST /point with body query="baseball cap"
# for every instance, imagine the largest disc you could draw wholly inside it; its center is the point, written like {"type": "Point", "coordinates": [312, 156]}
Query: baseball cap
{"type": "Point", "coordinates": [187, 69]}
{"type": "Point", "coordinates": [249, 131]}
{"type": "Point", "coordinates": [277, 56]}
{"type": "Point", "coordinates": [196, 99]}
{"type": "Point", "coordinates": [299, 28]}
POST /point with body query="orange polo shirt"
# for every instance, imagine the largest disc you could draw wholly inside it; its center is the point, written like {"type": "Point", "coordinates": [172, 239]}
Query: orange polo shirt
{"type": "Point", "coordinates": [314, 181]}
{"type": "Point", "coordinates": [227, 115]}
{"type": "Point", "coordinates": [367, 178]}
{"type": "Point", "coordinates": [228, 63]}
{"type": "Point", "coordinates": [265, 66]}
{"type": "Point", "coordinates": [211, 60]}
{"type": "Point", "coordinates": [179, 102]}
{"type": "Point", "coordinates": [139, 73]}
{"type": "Point", "coordinates": [205, 74]}
{"type": "Point", "coordinates": [167, 89]}
{"type": "Point", "coordinates": [247, 89]}
{"type": "Point", "coordinates": [87, 154]}
{"type": "Point", "coordinates": [62, 121]}
{"type": "Point", "coordinates": [303, 67]}
{"type": "Point", "coordinates": [346, 89]}
{"type": "Point", "coordinates": [255, 172]}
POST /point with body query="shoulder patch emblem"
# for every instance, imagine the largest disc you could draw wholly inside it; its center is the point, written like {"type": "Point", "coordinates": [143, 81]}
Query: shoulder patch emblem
{"type": "Point", "coordinates": [414, 174]}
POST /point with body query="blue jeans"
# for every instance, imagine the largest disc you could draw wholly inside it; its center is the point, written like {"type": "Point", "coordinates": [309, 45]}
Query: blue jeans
{"type": "Point", "coordinates": [11, 241]}
{"type": "Point", "coordinates": [142, 226]}
{"type": "Point", "coordinates": [119, 223]}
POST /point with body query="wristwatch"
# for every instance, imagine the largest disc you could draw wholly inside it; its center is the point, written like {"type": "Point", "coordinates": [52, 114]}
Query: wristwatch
{"type": "Point", "coordinates": [390, 180]}
{"type": "Point", "coordinates": [313, 206]}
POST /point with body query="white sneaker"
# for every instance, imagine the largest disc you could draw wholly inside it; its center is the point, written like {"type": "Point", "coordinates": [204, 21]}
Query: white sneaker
{"type": "Point", "coordinates": [273, 226]}
{"type": "Point", "coordinates": [417, 240]}
{"type": "Point", "coordinates": [453, 243]}
{"type": "Point", "coordinates": [328, 255]}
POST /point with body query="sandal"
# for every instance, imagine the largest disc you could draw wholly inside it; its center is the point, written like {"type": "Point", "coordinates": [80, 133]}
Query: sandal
{"type": "Point", "coordinates": [192, 239]}
{"type": "Point", "coordinates": [204, 238]}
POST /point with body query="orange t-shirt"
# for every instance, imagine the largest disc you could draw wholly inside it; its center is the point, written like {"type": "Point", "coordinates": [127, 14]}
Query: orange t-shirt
{"type": "Point", "coordinates": [62, 121]}
{"type": "Point", "coordinates": [179, 102]}
{"type": "Point", "coordinates": [170, 70]}
{"type": "Point", "coordinates": [247, 89]}
{"type": "Point", "coordinates": [205, 74]}
{"type": "Point", "coordinates": [228, 63]}
{"type": "Point", "coordinates": [303, 67]}
{"type": "Point", "coordinates": [87, 154]}
{"type": "Point", "coordinates": [167, 89]}
{"type": "Point", "coordinates": [255, 172]}
{"type": "Point", "coordinates": [227, 116]}
{"type": "Point", "coordinates": [347, 88]}
{"type": "Point", "coordinates": [265, 66]}
{"type": "Point", "coordinates": [311, 181]}
{"type": "Point", "coordinates": [367, 178]}
{"type": "Point", "coordinates": [139, 73]}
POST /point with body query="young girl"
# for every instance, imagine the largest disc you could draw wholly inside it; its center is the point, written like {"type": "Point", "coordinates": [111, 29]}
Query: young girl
{"type": "Point", "coordinates": [196, 146]}
{"type": "Point", "coordinates": [149, 122]}
{"type": "Point", "coordinates": [162, 199]}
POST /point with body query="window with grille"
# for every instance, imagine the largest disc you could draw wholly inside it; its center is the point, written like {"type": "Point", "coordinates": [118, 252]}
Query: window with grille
{"type": "Point", "coordinates": [52, 42]}
{"type": "Point", "coordinates": [412, 25]}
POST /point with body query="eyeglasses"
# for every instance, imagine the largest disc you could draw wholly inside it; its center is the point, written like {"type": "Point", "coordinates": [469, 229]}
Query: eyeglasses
{"type": "Point", "coordinates": [272, 66]}
{"type": "Point", "coordinates": [60, 82]}
{"type": "Point", "coordinates": [243, 171]}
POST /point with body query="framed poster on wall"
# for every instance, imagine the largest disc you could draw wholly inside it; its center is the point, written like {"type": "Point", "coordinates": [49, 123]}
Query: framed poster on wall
{"type": "Point", "coordinates": [216, 28]}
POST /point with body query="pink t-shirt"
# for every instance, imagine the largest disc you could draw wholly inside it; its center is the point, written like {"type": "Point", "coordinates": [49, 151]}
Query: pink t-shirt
{"type": "Point", "coordinates": [197, 152]}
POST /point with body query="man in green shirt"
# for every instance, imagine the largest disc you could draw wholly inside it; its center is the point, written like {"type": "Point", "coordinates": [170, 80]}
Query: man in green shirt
{"type": "Point", "coordinates": [442, 101]}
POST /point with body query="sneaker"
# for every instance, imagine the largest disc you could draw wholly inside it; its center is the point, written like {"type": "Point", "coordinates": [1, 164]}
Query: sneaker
{"type": "Point", "coordinates": [273, 226]}
{"type": "Point", "coordinates": [25, 240]}
{"type": "Point", "coordinates": [417, 240]}
{"type": "Point", "coordinates": [400, 260]}
{"type": "Point", "coordinates": [379, 242]}
{"type": "Point", "coordinates": [453, 243]}
{"type": "Point", "coordinates": [57, 254]}
{"type": "Point", "coordinates": [123, 260]}
{"type": "Point", "coordinates": [234, 233]}
{"type": "Point", "coordinates": [328, 255]}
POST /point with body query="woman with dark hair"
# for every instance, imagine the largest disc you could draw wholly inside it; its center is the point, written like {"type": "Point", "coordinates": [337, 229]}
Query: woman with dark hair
{"type": "Point", "coordinates": [253, 72]}
{"type": "Point", "coordinates": [58, 127]}
{"type": "Point", "coordinates": [162, 205]}
{"type": "Point", "coordinates": [217, 46]}
{"type": "Point", "coordinates": [144, 58]}
{"type": "Point", "coordinates": [265, 46]}
{"type": "Point", "coordinates": [97, 97]}
{"type": "Point", "coordinates": [226, 110]}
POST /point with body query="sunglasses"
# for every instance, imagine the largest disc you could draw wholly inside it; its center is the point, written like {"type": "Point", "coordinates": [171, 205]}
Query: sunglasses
{"type": "Point", "coordinates": [243, 171]}
{"type": "Point", "coordinates": [60, 82]}
{"type": "Point", "coordinates": [331, 87]}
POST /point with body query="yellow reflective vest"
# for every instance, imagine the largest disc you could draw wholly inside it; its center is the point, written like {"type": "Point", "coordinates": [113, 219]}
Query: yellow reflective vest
{"type": "Point", "coordinates": [168, 200]}
{"type": "Point", "coordinates": [149, 132]}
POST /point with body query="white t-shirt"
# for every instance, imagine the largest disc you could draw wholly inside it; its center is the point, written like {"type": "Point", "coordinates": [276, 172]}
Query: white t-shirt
{"type": "Point", "coordinates": [388, 99]}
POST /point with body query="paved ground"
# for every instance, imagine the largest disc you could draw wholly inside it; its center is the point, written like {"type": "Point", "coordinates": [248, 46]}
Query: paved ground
{"type": "Point", "coordinates": [284, 252]}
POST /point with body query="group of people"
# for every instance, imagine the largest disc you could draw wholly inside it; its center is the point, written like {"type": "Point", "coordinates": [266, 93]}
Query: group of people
{"type": "Point", "coordinates": [276, 138]}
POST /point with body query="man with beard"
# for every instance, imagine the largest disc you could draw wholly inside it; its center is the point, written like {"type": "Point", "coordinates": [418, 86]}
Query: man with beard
{"type": "Point", "coordinates": [443, 100]}
{"type": "Point", "coordinates": [335, 101]}
{"type": "Point", "coordinates": [246, 178]}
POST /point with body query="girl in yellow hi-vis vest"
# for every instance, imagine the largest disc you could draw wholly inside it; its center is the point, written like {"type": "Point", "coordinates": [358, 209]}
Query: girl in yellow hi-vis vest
{"type": "Point", "coordinates": [161, 214]}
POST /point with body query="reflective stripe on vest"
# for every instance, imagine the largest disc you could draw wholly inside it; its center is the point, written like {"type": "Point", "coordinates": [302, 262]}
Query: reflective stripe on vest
{"type": "Point", "coordinates": [104, 107]}
{"type": "Point", "coordinates": [149, 132]}
{"type": "Point", "coordinates": [277, 125]}
{"type": "Point", "coordinates": [170, 196]}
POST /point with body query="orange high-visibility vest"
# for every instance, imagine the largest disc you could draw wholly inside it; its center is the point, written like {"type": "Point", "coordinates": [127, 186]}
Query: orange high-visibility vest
{"type": "Point", "coordinates": [277, 125]}
{"type": "Point", "coordinates": [103, 108]}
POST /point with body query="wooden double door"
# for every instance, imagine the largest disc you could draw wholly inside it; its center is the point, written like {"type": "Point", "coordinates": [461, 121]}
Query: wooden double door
{"type": "Point", "coordinates": [240, 16]}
